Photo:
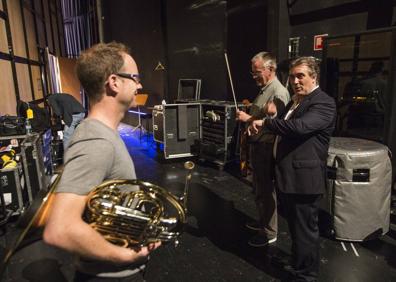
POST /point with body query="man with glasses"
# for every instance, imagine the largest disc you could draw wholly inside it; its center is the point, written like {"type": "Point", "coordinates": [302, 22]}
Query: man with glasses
{"type": "Point", "coordinates": [97, 153]}
{"type": "Point", "coordinates": [261, 158]}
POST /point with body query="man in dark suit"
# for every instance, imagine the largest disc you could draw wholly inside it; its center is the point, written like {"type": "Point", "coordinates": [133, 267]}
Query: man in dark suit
{"type": "Point", "coordinates": [300, 150]}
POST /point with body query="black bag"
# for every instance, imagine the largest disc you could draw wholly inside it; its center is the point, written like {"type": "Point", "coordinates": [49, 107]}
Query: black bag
{"type": "Point", "coordinates": [12, 125]}
{"type": "Point", "coordinates": [41, 117]}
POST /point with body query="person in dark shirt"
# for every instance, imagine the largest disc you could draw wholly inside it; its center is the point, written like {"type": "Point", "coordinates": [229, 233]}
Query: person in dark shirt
{"type": "Point", "coordinates": [70, 110]}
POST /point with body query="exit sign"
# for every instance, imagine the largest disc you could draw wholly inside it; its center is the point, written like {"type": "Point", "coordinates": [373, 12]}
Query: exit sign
{"type": "Point", "coordinates": [318, 41]}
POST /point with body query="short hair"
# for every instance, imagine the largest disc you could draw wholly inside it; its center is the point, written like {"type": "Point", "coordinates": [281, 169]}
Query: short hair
{"type": "Point", "coordinates": [267, 58]}
{"type": "Point", "coordinates": [311, 63]}
{"type": "Point", "coordinates": [96, 64]}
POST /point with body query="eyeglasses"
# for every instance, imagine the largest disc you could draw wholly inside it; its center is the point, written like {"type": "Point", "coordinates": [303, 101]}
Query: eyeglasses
{"type": "Point", "coordinates": [134, 77]}
{"type": "Point", "coordinates": [260, 70]}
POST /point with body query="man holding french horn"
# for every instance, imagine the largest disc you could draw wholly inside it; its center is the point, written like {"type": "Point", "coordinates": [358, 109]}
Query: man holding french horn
{"type": "Point", "coordinates": [96, 153]}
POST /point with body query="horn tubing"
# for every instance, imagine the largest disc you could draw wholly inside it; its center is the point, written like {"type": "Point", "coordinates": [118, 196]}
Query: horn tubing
{"type": "Point", "coordinates": [115, 214]}
{"type": "Point", "coordinates": [189, 165]}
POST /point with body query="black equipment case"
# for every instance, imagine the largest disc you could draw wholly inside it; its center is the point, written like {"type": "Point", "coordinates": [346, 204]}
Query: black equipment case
{"type": "Point", "coordinates": [220, 132]}
{"type": "Point", "coordinates": [12, 125]}
{"type": "Point", "coordinates": [33, 165]}
{"type": "Point", "coordinates": [14, 190]}
{"type": "Point", "coordinates": [177, 126]}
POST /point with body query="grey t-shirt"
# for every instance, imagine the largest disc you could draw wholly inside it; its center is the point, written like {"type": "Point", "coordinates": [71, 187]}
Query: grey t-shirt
{"type": "Point", "coordinates": [97, 153]}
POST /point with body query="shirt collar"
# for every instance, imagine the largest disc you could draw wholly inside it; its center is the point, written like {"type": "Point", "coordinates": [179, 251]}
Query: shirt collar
{"type": "Point", "coordinates": [265, 86]}
{"type": "Point", "coordinates": [298, 98]}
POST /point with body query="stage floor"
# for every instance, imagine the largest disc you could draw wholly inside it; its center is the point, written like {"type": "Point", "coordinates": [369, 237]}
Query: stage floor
{"type": "Point", "coordinates": [214, 245]}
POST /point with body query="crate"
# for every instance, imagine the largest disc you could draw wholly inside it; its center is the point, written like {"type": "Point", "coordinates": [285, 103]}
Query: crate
{"type": "Point", "coordinates": [14, 140]}
{"type": "Point", "coordinates": [14, 189]}
{"type": "Point", "coordinates": [219, 132]}
{"type": "Point", "coordinates": [46, 142]}
{"type": "Point", "coordinates": [177, 127]}
{"type": "Point", "coordinates": [33, 165]}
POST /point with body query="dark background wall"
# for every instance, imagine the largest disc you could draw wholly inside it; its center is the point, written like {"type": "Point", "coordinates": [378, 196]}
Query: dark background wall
{"type": "Point", "coordinates": [189, 37]}
{"type": "Point", "coordinates": [246, 36]}
{"type": "Point", "coordinates": [195, 43]}
{"type": "Point", "coordinates": [139, 25]}
{"type": "Point", "coordinates": [334, 17]}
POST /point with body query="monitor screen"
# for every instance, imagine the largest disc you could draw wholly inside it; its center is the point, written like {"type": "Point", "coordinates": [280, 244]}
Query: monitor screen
{"type": "Point", "coordinates": [189, 89]}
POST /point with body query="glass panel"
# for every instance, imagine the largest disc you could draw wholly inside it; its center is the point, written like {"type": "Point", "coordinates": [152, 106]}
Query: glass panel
{"type": "Point", "coordinates": [375, 43]}
{"type": "Point", "coordinates": [357, 76]}
{"type": "Point", "coordinates": [341, 48]}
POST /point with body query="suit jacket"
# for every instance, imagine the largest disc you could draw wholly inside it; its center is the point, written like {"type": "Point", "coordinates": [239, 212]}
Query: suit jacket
{"type": "Point", "coordinates": [303, 147]}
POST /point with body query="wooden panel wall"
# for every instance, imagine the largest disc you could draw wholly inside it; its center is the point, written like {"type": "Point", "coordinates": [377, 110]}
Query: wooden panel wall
{"type": "Point", "coordinates": [8, 101]}
{"type": "Point", "coordinates": [69, 79]}
{"type": "Point", "coordinates": [3, 37]}
{"type": "Point", "coordinates": [18, 40]}
{"type": "Point", "coordinates": [31, 34]}
{"type": "Point", "coordinates": [32, 27]}
{"type": "Point", "coordinates": [36, 78]}
{"type": "Point", "coordinates": [25, 91]}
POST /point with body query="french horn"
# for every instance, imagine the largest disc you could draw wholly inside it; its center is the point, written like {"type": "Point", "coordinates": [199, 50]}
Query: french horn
{"type": "Point", "coordinates": [133, 213]}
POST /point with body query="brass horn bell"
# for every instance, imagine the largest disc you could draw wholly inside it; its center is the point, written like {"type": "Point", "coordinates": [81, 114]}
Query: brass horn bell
{"type": "Point", "coordinates": [134, 213]}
